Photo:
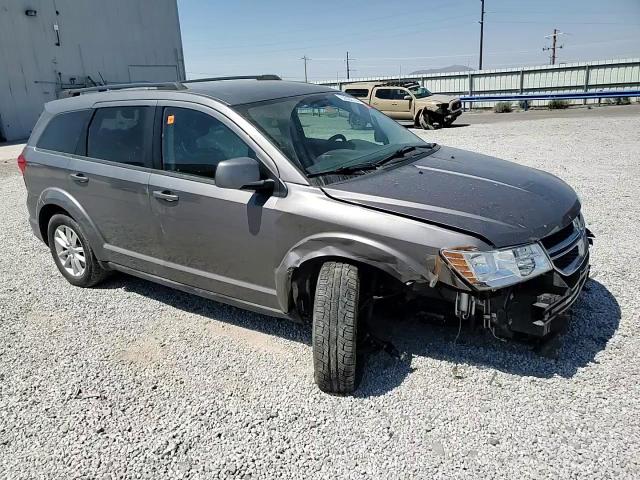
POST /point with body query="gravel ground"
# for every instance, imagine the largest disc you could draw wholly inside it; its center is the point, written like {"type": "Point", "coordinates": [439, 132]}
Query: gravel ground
{"type": "Point", "coordinates": [133, 380]}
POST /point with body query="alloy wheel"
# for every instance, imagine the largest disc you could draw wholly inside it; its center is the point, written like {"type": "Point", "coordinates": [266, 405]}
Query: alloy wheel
{"type": "Point", "coordinates": [70, 251]}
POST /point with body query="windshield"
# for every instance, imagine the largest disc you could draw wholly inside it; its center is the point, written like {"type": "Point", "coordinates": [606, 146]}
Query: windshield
{"type": "Point", "coordinates": [329, 131]}
{"type": "Point", "coordinates": [420, 92]}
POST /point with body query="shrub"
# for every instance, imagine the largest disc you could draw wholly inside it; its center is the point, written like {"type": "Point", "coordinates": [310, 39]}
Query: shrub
{"type": "Point", "coordinates": [557, 104]}
{"type": "Point", "coordinates": [618, 101]}
{"type": "Point", "coordinates": [503, 107]}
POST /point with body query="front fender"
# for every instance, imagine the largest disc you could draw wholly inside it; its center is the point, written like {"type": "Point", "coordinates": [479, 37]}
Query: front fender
{"type": "Point", "coordinates": [64, 200]}
{"type": "Point", "coordinates": [350, 247]}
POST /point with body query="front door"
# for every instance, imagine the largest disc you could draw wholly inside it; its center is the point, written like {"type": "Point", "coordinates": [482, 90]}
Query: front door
{"type": "Point", "coordinates": [391, 102]}
{"type": "Point", "coordinates": [217, 239]}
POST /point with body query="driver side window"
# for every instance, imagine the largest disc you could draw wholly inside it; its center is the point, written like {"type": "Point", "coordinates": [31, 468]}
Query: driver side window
{"type": "Point", "coordinates": [400, 93]}
{"type": "Point", "coordinates": [194, 142]}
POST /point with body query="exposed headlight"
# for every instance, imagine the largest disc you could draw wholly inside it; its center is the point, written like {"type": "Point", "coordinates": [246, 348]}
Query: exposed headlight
{"type": "Point", "coordinates": [498, 268]}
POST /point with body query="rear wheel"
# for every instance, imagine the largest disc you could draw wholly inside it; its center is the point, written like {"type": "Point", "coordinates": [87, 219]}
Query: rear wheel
{"type": "Point", "coordinates": [72, 253]}
{"type": "Point", "coordinates": [335, 323]}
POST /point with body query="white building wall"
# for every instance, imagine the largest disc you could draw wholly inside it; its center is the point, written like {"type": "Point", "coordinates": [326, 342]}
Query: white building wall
{"type": "Point", "coordinates": [108, 40]}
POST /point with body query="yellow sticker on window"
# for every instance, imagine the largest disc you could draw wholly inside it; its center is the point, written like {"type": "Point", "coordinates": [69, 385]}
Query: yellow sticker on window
{"type": "Point", "coordinates": [170, 120]}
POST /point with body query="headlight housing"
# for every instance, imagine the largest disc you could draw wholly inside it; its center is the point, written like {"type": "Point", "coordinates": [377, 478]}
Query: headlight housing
{"type": "Point", "coordinates": [498, 268]}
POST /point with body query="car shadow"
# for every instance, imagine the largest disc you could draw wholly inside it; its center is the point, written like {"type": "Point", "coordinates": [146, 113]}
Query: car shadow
{"type": "Point", "coordinates": [211, 309]}
{"type": "Point", "coordinates": [594, 320]}
{"type": "Point", "coordinates": [458, 125]}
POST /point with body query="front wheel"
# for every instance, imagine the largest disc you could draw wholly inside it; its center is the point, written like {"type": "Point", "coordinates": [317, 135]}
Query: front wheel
{"type": "Point", "coordinates": [426, 120]}
{"type": "Point", "coordinates": [335, 323]}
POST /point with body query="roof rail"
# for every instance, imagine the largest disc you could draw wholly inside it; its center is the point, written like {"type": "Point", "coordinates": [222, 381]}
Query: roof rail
{"type": "Point", "coordinates": [237, 77]}
{"type": "Point", "coordinates": [74, 92]}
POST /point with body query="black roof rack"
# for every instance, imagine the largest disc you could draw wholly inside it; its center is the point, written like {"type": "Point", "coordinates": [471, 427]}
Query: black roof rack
{"type": "Point", "coordinates": [74, 92]}
{"type": "Point", "coordinates": [401, 83]}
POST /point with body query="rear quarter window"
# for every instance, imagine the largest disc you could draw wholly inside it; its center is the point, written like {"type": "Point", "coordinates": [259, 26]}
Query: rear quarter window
{"type": "Point", "coordinates": [63, 131]}
{"type": "Point", "coordinates": [357, 92]}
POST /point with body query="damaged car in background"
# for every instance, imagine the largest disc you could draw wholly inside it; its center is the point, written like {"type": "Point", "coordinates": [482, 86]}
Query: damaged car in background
{"type": "Point", "coordinates": [262, 194]}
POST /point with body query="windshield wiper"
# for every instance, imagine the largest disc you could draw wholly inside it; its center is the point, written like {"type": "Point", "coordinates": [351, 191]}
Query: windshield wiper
{"type": "Point", "coordinates": [344, 169]}
{"type": "Point", "coordinates": [401, 153]}
{"type": "Point", "coordinates": [398, 153]}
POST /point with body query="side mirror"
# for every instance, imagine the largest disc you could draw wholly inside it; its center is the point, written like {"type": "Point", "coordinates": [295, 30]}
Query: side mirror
{"type": "Point", "coordinates": [241, 172]}
{"type": "Point", "coordinates": [407, 97]}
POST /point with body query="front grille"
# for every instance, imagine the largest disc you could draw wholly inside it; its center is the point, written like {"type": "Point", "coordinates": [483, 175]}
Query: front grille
{"type": "Point", "coordinates": [567, 248]}
{"type": "Point", "coordinates": [564, 261]}
{"type": "Point", "coordinates": [556, 238]}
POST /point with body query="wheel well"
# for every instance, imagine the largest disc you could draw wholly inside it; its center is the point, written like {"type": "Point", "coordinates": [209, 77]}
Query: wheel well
{"type": "Point", "coordinates": [303, 282]}
{"type": "Point", "coordinates": [46, 213]}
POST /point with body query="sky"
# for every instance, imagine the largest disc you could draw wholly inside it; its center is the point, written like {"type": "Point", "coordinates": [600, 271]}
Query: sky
{"type": "Point", "coordinates": [386, 37]}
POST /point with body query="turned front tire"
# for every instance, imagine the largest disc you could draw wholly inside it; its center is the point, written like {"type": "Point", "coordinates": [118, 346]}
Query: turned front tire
{"type": "Point", "coordinates": [335, 326]}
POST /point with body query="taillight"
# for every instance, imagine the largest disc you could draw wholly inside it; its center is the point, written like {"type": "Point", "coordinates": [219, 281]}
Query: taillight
{"type": "Point", "coordinates": [22, 162]}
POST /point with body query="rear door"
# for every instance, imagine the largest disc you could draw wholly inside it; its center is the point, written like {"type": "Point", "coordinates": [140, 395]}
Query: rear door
{"type": "Point", "coordinates": [381, 100]}
{"type": "Point", "coordinates": [110, 181]}
{"type": "Point", "coordinates": [217, 239]}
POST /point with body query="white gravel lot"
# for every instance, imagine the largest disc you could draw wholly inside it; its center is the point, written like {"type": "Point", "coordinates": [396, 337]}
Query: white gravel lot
{"type": "Point", "coordinates": [134, 380]}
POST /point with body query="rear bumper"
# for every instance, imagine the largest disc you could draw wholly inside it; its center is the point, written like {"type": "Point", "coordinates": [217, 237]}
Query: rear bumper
{"type": "Point", "coordinates": [35, 228]}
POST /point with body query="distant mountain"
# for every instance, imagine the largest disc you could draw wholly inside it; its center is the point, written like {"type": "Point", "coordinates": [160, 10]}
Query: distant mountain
{"type": "Point", "coordinates": [450, 68]}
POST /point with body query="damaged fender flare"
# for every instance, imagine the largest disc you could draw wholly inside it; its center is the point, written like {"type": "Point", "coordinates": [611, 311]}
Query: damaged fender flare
{"type": "Point", "coordinates": [349, 247]}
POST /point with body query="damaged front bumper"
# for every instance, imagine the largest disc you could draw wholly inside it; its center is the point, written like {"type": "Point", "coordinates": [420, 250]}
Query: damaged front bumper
{"type": "Point", "coordinates": [535, 308]}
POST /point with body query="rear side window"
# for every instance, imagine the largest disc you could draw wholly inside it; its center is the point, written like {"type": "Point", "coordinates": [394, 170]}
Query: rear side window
{"type": "Point", "coordinates": [384, 93]}
{"type": "Point", "coordinates": [63, 131]}
{"type": "Point", "coordinates": [194, 142]}
{"type": "Point", "coordinates": [121, 134]}
{"type": "Point", "coordinates": [357, 92]}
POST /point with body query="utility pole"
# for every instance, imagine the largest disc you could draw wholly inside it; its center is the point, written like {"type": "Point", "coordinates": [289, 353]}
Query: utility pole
{"type": "Point", "coordinates": [305, 58]}
{"type": "Point", "coordinates": [554, 45]}
{"type": "Point", "coordinates": [348, 69]}
{"type": "Point", "coordinates": [481, 31]}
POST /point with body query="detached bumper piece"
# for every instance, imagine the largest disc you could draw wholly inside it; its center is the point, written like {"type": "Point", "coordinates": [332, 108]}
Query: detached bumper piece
{"type": "Point", "coordinates": [536, 308]}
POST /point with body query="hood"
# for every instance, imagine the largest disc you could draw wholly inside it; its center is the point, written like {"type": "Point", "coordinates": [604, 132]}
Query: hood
{"type": "Point", "coordinates": [436, 98]}
{"type": "Point", "coordinates": [501, 202]}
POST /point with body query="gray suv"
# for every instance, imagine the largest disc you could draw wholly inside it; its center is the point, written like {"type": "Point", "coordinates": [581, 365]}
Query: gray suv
{"type": "Point", "coordinates": [259, 193]}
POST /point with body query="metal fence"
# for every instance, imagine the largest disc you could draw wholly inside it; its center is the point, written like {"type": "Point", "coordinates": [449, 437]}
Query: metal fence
{"type": "Point", "coordinates": [579, 77]}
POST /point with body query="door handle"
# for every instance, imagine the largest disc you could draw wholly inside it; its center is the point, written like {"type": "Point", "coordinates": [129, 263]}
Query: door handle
{"type": "Point", "coordinates": [165, 195]}
{"type": "Point", "coordinates": [79, 177]}
{"type": "Point", "coordinates": [394, 104]}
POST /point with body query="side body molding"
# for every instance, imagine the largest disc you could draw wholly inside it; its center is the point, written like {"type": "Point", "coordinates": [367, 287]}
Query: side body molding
{"type": "Point", "coordinates": [350, 247]}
